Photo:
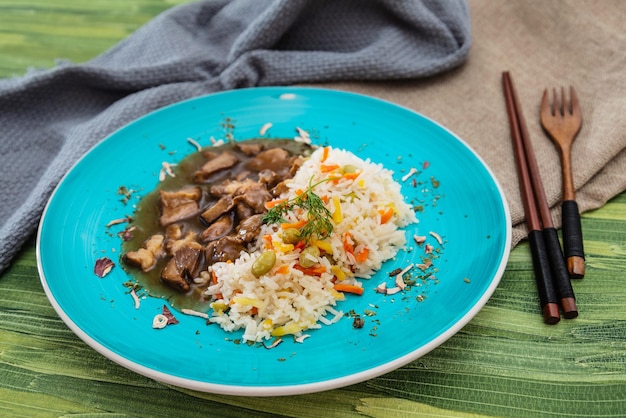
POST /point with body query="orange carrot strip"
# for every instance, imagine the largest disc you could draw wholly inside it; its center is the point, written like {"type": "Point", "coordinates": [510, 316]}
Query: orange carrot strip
{"type": "Point", "coordinates": [272, 203]}
{"type": "Point", "coordinates": [267, 242]}
{"type": "Point", "coordinates": [385, 215]}
{"type": "Point", "coordinates": [325, 153]}
{"type": "Point", "coordinates": [254, 310]}
{"type": "Point", "coordinates": [347, 246]}
{"type": "Point", "coordinates": [311, 271]}
{"type": "Point", "coordinates": [284, 269]}
{"type": "Point", "coordinates": [348, 288]}
{"type": "Point", "coordinates": [296, 225]}
{"type": "Point", "coordinates": [351, 176]}
{"type": "Point", "coordinates": [362, 255]}
{"type": "Point", "coordinates": [324, 198]}
{"type": "Point", "coordinates": [328, 168]}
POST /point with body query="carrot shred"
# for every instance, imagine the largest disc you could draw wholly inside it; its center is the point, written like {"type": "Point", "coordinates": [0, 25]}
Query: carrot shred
{"type": "Point", "coordinates": [267, 242]}
{"type": "Point", "coordinates": [311, 271]}
{"type": "Point", "coordinates": [254, 310]}
{"type": "Point", "coordinates": [296, 225]}
{"type": "Point", "coordinates": [324, 168]}
{"type": "Point", "coordinates": [385, 215]}
{"type": "Point", "coordinates": [284, 269]}
{"type": "Point", "coordinates": [348, 288]}
{"type": "Point", "coordinates": [347, 245]}
{"type": "Point", "coordinates": [351, 176]}
{"type": "Point", "coordinates": [272, 203]}
{"type": "Point", "coordinates": [362, 255]}
{"type": "Point", "coordinates": [325, 153]}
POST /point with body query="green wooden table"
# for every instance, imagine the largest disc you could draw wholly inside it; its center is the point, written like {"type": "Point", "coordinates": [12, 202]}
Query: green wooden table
{"type": "Point", "coordinates": [505, 362]}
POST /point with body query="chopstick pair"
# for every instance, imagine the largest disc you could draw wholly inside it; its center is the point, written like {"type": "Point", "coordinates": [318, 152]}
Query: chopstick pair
{"type": "Point", "coordinates": [551, 274]}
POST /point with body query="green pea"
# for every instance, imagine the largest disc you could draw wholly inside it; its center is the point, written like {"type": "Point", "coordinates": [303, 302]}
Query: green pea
{"type": "Point", "coordinates": [263, 263]}
{"type": "Point", "coordinates": [305, 260]}
{"type": "Point", "coordinates": [349, 168]}
{"type": "Point", "coordinates": [291, 236]}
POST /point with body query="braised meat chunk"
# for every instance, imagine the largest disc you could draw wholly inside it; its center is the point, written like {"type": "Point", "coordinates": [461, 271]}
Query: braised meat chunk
{"type": "Point", "coordinates": [227, 248]}
{"type": "Point", "coordinates": [147, 256]}
{"type": "Point", "coordinates": [183, 266]}
{"type": "Point", "coordinates": [229, 187]}
{"type": "Point", "coordinates": [256, 196]}
{"type": "Point", "coordinates": [275, 159]}
{"type": "Point", "coordinates": [224, 225]}
{"type": "Point", "coordinates": [225, 204]}
{"type": "Point", "coordinates": [179, 205]}
{"type": "Point", "coordinates": [250, 149]}
{"type": "Point", "coordinates": [249, 228]}
{"type": "Point", "coordinates": [217, 162]}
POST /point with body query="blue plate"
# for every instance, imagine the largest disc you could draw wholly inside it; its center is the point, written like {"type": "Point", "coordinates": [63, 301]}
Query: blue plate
{"type": "Point", "coordinates": [459, 198]}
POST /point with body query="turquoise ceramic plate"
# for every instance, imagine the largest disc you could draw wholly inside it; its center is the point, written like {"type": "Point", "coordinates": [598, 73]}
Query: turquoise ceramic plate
{"type": "Point", "coordinates": [459, 200]}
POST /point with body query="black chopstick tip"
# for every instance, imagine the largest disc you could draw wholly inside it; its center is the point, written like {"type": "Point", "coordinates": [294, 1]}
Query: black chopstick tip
{"type": "Point", "coordinates": [570, 310]}
{"type": "Point", "coordinates": [551, 313]}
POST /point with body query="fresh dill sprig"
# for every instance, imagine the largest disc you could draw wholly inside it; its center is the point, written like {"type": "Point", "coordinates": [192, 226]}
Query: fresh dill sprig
{"type": "Point", "coordinates": [319, 217]}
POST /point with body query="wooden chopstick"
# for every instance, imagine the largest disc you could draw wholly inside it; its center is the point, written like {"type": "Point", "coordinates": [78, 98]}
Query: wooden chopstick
{"type": "Point", "coordinates": [551, 274]}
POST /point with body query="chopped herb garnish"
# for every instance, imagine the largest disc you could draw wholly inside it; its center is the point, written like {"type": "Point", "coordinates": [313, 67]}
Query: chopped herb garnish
{"type": "Point", "coordinates": [395, 272]}
{"type": "Point", "coordinates": [319, 217]}
{"type": "Point", "coordinates": [127, 194]}
{"type": "Point", "coordinates": [358, 322]}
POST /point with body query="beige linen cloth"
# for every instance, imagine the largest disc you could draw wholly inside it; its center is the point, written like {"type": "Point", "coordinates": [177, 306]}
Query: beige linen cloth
{"type": "Point", "coordinates": [544, 44]}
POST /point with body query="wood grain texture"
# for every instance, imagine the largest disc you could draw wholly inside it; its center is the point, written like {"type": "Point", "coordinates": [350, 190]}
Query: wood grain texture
{"type": "Point", "coordinates": [505, 362]}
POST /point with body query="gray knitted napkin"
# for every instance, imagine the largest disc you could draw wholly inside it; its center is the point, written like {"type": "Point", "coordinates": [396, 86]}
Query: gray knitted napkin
{"type": "Point", "coordinates": [50, 118]}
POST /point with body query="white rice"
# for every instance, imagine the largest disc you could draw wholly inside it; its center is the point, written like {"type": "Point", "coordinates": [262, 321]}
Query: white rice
{"type": "Point", "coordinates": [280, 304]}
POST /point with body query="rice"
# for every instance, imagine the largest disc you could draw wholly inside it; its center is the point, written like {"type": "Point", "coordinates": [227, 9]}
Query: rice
{"type": "Point", "coordinates": [367, 209]}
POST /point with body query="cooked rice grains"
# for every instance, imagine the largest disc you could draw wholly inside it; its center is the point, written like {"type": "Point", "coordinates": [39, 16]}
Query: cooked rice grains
{"type": "Point", "coordinates": [367, 209]}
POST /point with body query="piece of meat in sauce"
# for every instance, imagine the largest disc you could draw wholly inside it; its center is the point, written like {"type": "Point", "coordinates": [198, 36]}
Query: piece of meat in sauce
{"type": "Point", "coordinates": [183, 266]}
{"type": "Point", "coordinates": [229, 187]}
{"type": "Point", "coordinates": [249, 228]}
{"type": "Point", "coordinates": [216, 162]}
{"type": "Point", "coordinates": [176, 238]}
{"type": "Point", "coordinates": [250, 148]}
{"type": "Point", "coordinates": [224, 225]}
{"type": "Point", "coordinates": [276, 159]}
{"type": "Point", "coordinates": [147, 256]}
{"type": "Point", "coordinates": [179, 205]}
{"type": "Point", "coordinates": [225, 204]}
{"type": "Point", "coordinates": [227, 248]}
{"type": "Point", "coordinates": [255, 196]}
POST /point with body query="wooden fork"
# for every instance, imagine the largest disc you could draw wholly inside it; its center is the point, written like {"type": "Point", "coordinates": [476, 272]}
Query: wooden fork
{"type": "Point", "coordinates": [562, 123]}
